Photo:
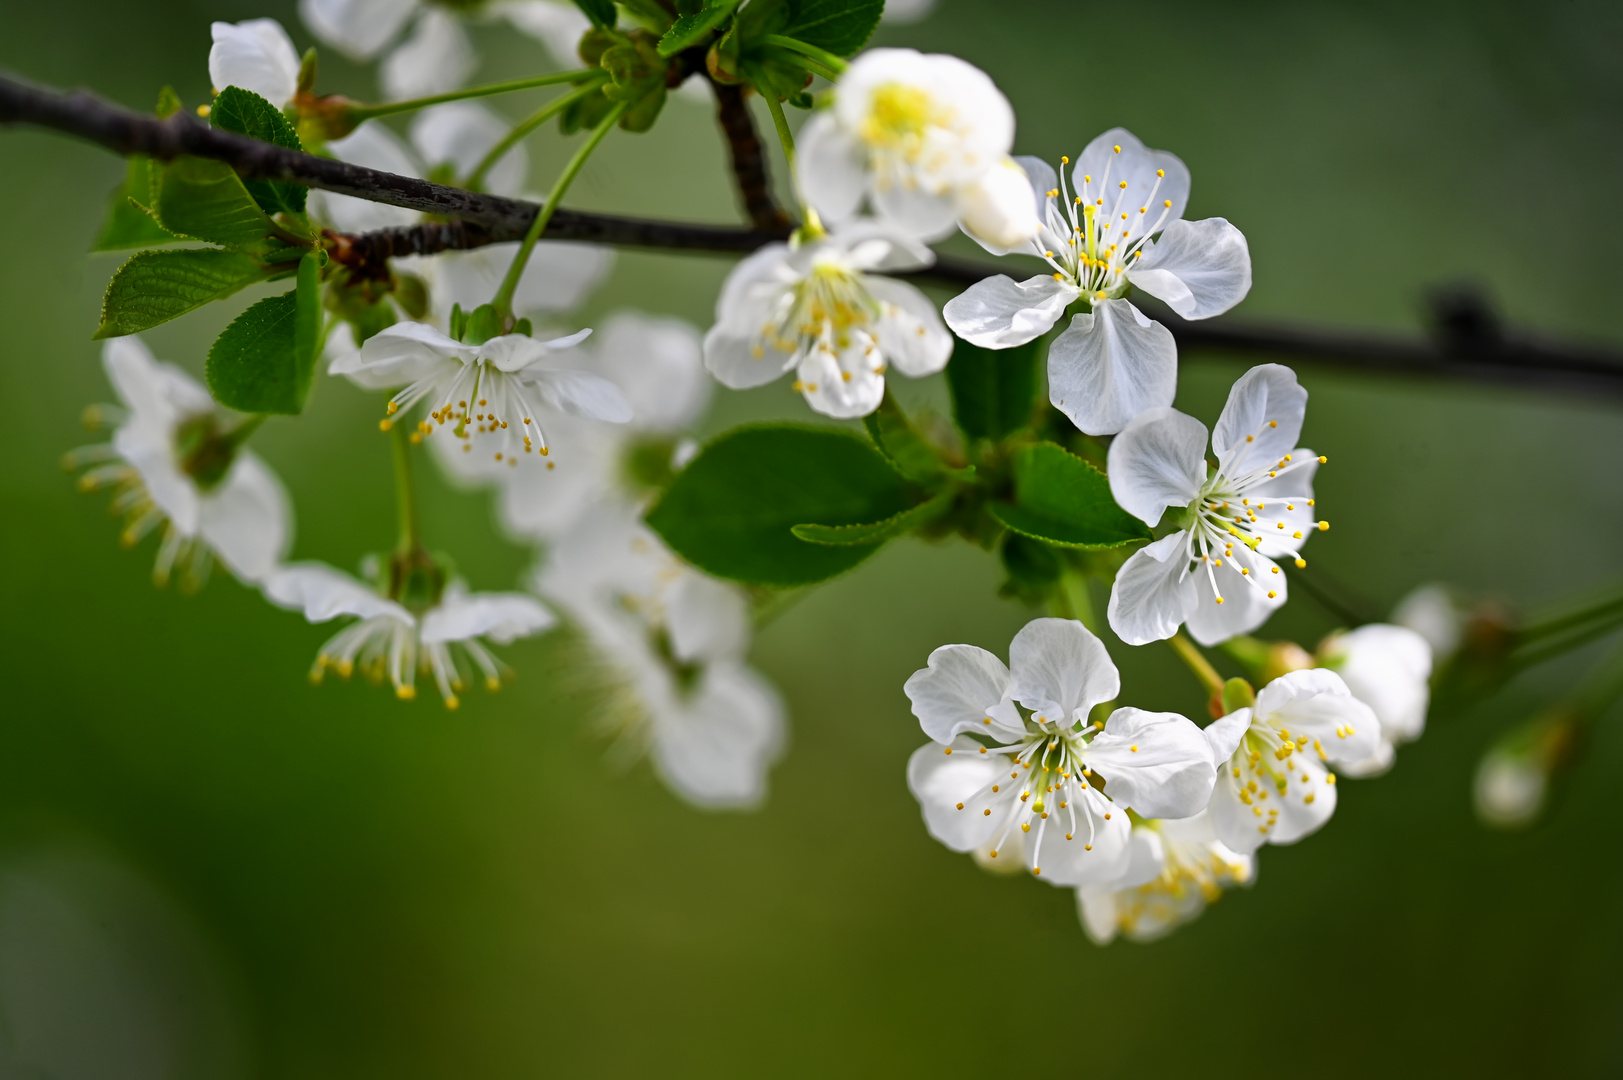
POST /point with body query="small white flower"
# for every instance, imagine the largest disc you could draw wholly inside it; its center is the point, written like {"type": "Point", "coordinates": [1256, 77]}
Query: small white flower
{"type": "Point", "coordinates": [1433, 612]}
{"type": "Point", "coordinates": [1275, 788]}
{"type": "Point", "coordinates": [1388, 668]}
{"type": "Point", "coordinates": [434, 58]}
{"type": "Point", "coordinates": [657, 365]}
{"type": "Point", "coordinates": [256, 55]}
{"type": "Point", "coordinates": [493, 392]}
{"type": "Point", "coordinates": [173, 463]}
{"type": "Point", "coordinates": [711, 725]}
{"type": "Point", "coordinates": [915, 132]}
{"type": "Point", "coordinates": [558, 26]}
{"type": "Point", "coordinates": [1030, 789]}
{"type": "Point", "coordinates": [1174, 869]}
{"type": "Point", "coordinates": [1509, 789]}
{"type": "Point", "coordinates": [392, 641]}
{"type": "Point", "coordinates": [815, 308]}
{"type": "Point", "coordinates": [1112, 362]}
{"type": "Point", "coordinates": [1215, 573]}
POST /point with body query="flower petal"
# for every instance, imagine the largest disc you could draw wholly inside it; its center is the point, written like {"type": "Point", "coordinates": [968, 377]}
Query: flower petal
{"type": "Point", "coordinates": [1245, 605]}
{"type": "Point", "coordinates": [832, 168]}
{"type": "Point", "coordinates": [501, 617]}
{"type": "Point", "coordinates": [1198, 268]}
{"type": "Point", "coordinates": [1151, 597]}
{"type": "Point", "coordinates": [375, 146]}
{"type": "Point", "coordinates": [714, 747]}
{"type": "Point", "coordinates": [1110, 365]}
{"type": "Point", "coordinates": [1060, 670]}
{"type": "Point", "coordinates": [1000, 313]}
{"type": "Point", "coordinates": [398, 355]}
{"type": "Point", "coordinates": [844, 383]}
{"type": "Point", "coordinates": [941, 781]}
{"type": "Point", "coordinates": [357, 28]}
{"type": "Point", "coordinates": [158, 394]}
{"type": "Point", "coordinates": [1266, 405]}
{"type": "Point", "coordinates": [707, 619]}
{"type": "Point", "coordinates": [1388, 668]}
{"type": "Point", "coordinates": [960, 689]}
{"type": "Point", "coordinates": [1073, 861]}
{"type": "Point", "coordinates": [248, 519]}
{"type": "Point", "coordinates": [659, 364]}
{"type": "Point", "coordinates": [1159, 764]}
{"type": "Point", "coordinates": [323, 593]}
{"type": "Point", "coordinates": [558, 277]}
{"type": "Point", "coordinates": [557, 26]}
{"type": "Point", "coordinates": [580, 394]}
{"type": "Point", "coordinates": [736, 349]}
{"type": "Point", "coordinates": [1157, 461]}
{"type": "Point", "coordinates": [255, 55]}
{"type": "Point", "coordinates": [460, 134]}
{"type": "Point", "coordinates": [1137, 165]}
{"type": "Point", "coordinates": [996, 210]}
{"type": "Point", "coordinates": [929, 216]}
{"type": "Point", "coordinates": [1317, 704]}
{"type": "Point", "coordinates": [910, 333]}
{"type": "Point", "coordinates": [436, 57]}
{"type": "Point", "coordinates": [1223, 736]}
{"type": "Point", "coordinates": [1040, 179]}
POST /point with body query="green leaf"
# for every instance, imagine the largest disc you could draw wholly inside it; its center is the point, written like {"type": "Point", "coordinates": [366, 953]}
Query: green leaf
{"type": "Point", "coordinates": [263, 361]}
{"type": "Point", "coordinates": [733, 510]}
{"type": "Point", "coordinates": [1032, 565]}
{"type": "Point", "coordinates": [155, 286]}
{"type": "Point", "coordinates": [246, 113]}
{"type": "Point", "coordinates": [601, 12]}
{"type": "Point", "coordinates": [879, 531]}
{"type": "Point", "coordinates": [690, 30]}
{"type": "Point", "coordinates": [129, 223]}
{"type": "Point", "coordinates": [900, 442]}
{"type": "Point", "coordinates": [206, 200]}
{"type": "Point", "coordinates": [1061, 499]}
{"type": "Point", "coordinates": [168, 103]}
{"type": "Point", "coordinates": [993, 390]}
{"type": "Point", "coordinates": [840, 26]}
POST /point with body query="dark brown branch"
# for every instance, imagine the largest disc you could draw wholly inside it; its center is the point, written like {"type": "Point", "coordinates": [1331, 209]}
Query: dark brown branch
{"type": "Point", "coordinates": [749, 160]}
{"type": "Point", "coordinates": [1466, 341]}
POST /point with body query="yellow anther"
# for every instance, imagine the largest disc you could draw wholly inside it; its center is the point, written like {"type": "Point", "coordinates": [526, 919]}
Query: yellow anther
{"type": "Point", "coordinates": [949, 750]}
{"type": "Point", "coordinates": [1025, 826]}
{"type": "Point", "coordinates": [1161, 173]}
{"type": "Point", "coordinates": [960, 806]}
{"type": "Point", "coordinates": [405, 693]}
{"type": "Point", "coordinates": [1297, 535]}
{"type": "Point", "coordinates": [1323, 460]}
{"type": "Point", "coordinates": [1219, 599]}
{"type": "Point", "coordinates": [1324, 526]}
{"type": "Point", "coordinates": [1301, 564]}
{"type": "Point", "coordinates": [385, 424]}
{"type": "Point", "coordinates": [1116, 149]}
{"type": "Point", "coordinates": [1250, 438]}
{"type": "Point", "coordinates": [1272, 594]}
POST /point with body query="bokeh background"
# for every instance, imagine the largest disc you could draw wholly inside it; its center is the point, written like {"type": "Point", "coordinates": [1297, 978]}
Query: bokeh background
{"type": "Point", "coordinates": [210, 869]}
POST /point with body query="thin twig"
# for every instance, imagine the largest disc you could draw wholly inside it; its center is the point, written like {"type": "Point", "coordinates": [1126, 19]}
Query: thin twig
{"type": "Point", "coordinates": [749, 160]}
{"type": "Point", "coordinates": [1467, 344]}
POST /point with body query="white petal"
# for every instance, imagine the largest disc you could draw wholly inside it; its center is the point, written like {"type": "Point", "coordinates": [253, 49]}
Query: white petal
{"type": "Point", "coordinates": [960, 689]}
{"type": "Point", "coordinates": [558, 277]}
{"type": "Point", "coordinates": [659, 364]}
{"type": "Point", "coordinates": [436, 57]}
{"type": "Point", "coordinates": [1060, 670]}
{"type": "Point", "coordinates": [158, 394]}
{"type": "Point", "coordinates": [1316, 703]}
{"type": "Point", "coordinates": [248, 519]}
{"type": "Point", "coordinates": [846, 383]}
{"type": "Point", "coordinates": [941, 781]}
{"type": "Point", "coordinates": [323, 593]}
{"type": "Point", "coordinates": [736, 350]}
{"type": "Point", "coordinates": [1137, 164]}
{"type": "Point", "coordinates": [1430, 611]}
{"type": "Point", "coordinates": [501, 617]}
{"type": "Point", "coordinates": [1110, 365]}
{"type": "Point", "coordinates": [544, 503]}
{"type": "Point", "coordinates": [1388, 668]}
{"type": "Point", "coordinates": [909, 331]}
{"type": "Point", "coordinates": [1096, 907]}
{"type": "Point", "coordinates": [1199, 268]}
{"type": "Point", "coordinates": [512, 353]}
{"type": "Point", "coordinates": [1297, 816]}
{"type": "Point", "coordinates": [868, 244]}
{"type": "Point", "coordinates": [356, 28]}
{"type": "Point", "coordinates": [832, 167]}
{"type": "Point", "coordinates": [925, 215]}
{"type": "Point", "coordinates": [255, 55]}
{"type": "Point", "coordinates": [1245, 606]}
{"type": "Point", "coordinates": [714, 748]}
{"type": "Point", "coordinates": [1267, 404]}
{"type": "Point", "coordinates": [460, 134]}
{"type": "Point", "coordinates": [997, 209]}
{"type": "Point", "coordinates": [1223, 736]}
{"type": "Point", "coordinates": [1159, 764]}
{"type": "Point", "coordinates": [152, 452]}
{"type": "Point", "coordinates": [1148, 601]}
{"type": "Point", "coordinates": [1157, 461]}
{"type": "Point", "coordinates": [1040, 180]}
{"type": "Point", "coordinates": [1377, 764]}
{"type": "Point", "coordinates": [581, 394]}
{"type": "Point", "coordinates": [1070, 862]}
{"type": "Point", "coordinates": [1000, 313]}
{"type": "Point", "coordinates": [707, 619]}
{"type": "Point", "coordinates": [398, 355]}
{"type": "Point", "coordinates": [375, 146]}
{"type": "Point", "coordinates": [557, 26]}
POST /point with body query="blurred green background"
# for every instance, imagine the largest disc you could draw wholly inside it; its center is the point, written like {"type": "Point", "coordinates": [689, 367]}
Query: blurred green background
{"type": "Point", "coordinates": [210, 869]}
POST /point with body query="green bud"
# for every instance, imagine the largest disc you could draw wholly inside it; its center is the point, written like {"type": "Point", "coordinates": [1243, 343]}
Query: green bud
{"type": "Point", "coordinates": [1237, 695]}
{"type": "Point", "coordinates": [482, 325]}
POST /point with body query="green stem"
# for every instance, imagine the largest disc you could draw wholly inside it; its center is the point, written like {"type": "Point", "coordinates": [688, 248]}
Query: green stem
{"type": "Point", "coordinates": [1210, 680]}
{"type": "Point", "coordinates": [795, 45]}
{"type": "Point", "coordinates": [503, 301]}
{"type": "Point", "coordinates": [546, 112]}
{"type": "Point", "coordinates": [1075, 600]}
{"type": "Point", "coordinates": [1605, 608]}
{"type": "Point", "coordinates": [405, 490]}
{"type": "Point", "coordinates": [389, 108]}
{"type": "Point", "coordinates": [245, 430]}
{"type": "Point", "coordinates": [813, 225]}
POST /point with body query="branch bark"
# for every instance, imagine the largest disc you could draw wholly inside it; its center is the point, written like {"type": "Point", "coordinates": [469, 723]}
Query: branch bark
{"type": "Point", "coordinates": [1466, 341]}
{"type": "Point", "coordinates": [748, 158]}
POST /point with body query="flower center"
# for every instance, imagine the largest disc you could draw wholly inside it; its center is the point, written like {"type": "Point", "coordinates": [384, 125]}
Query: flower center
{"type": "Point", "coordinates": [1263, 767]}
{"type": "Point", "coordinates": [1094, 235]}
{"type": "Point", "coordinates": [898, 116]}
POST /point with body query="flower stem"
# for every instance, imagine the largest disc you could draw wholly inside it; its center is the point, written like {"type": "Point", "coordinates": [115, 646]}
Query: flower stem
{"type": "Point", "coordinates": [546, 112]}
{"type": "Point", "coordinates": [388, 108]}
{"type": "Point", "coordinates": [1074, 601]}
{"type": "Point", "coordinates": [503, 300]}
{"type": "Point", "coordinates": [813, 225]}
{"type": "Point", "coordinates": [1210, 680]}
{"type": "Point", "coordinates": [245, 430]}
{"type": "Point", "coordinates": [1608, 607]}
{"type": "Point", "coordinates": [823, 57]}
{"type": "Point", "coordinates": [405, 490]}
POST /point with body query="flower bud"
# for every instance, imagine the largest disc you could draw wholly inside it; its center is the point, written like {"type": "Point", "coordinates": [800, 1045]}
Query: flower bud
{"type": "Point", "coordinates": [998, 208]}
{"type": "Point", "coordinates": [1513, 778]}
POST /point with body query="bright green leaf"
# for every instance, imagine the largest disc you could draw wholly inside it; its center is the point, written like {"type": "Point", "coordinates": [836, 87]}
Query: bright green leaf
{"type": "Point", "coordinates": [601, 12]}
{"type": "Point", "coordinates": [206, 200]}
{"type": "Point", "coordinates": [246, 113]}
{"type": "Point", "coordinates": [878, 531]}
{"type": "Point", "coordinates": [129, 223]}
{"type": "Point", "coordinates": [901, 443]}
{"type": "Point", "coordinates": [155, 286]}
{"type": "Point", "coordinates": [690, 30]}
{"type": "Point", "coordinates": [1061, 499]}
{"type": "Point", "coordinates": [263, 361]}
{"type": "Point", "coordinates": [840, 26]}
{"type": "Point", "coordinates": [993, 390]}
{"type": "Point", "coordinates": [733, 510]}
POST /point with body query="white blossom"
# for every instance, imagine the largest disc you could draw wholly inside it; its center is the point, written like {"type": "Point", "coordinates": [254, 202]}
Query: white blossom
{"type": "Point", "coordinates": [173, 463]}
{"type": "Point", "coordinates": [1433, 612]}
{"type": "Point", "coordinates": [1174, 869]}
{"type": "Point", "coordinates": [1388, 668]}
{"type": "Point", "coordinates": [711, 726]}
{"type": "Point", "coordinates": [557, 25]}
{"type": "Point", "coordinates": [1117, 226]}
{"type": "Point", "coordinates": [1509, 788]}
{"type": "Point", "coordinates": [1276, 787]}
{"type": "Point", "coordinates": [815, 308]}
{"type": "Point", "coordinates": [256, 55]}
{"type": "Point", "coordinates": [391, 641]}
{"type": "Point", "coordinates": [1015, 767]}
{"type": "Point", "coordinates": [1217, 571]}
{"type": "Point", "coordinates": [917, 135]}
{"type": "Point", "coordinates": [657, 365]}
{"type": "Point", "coordinates": [493, 392]}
